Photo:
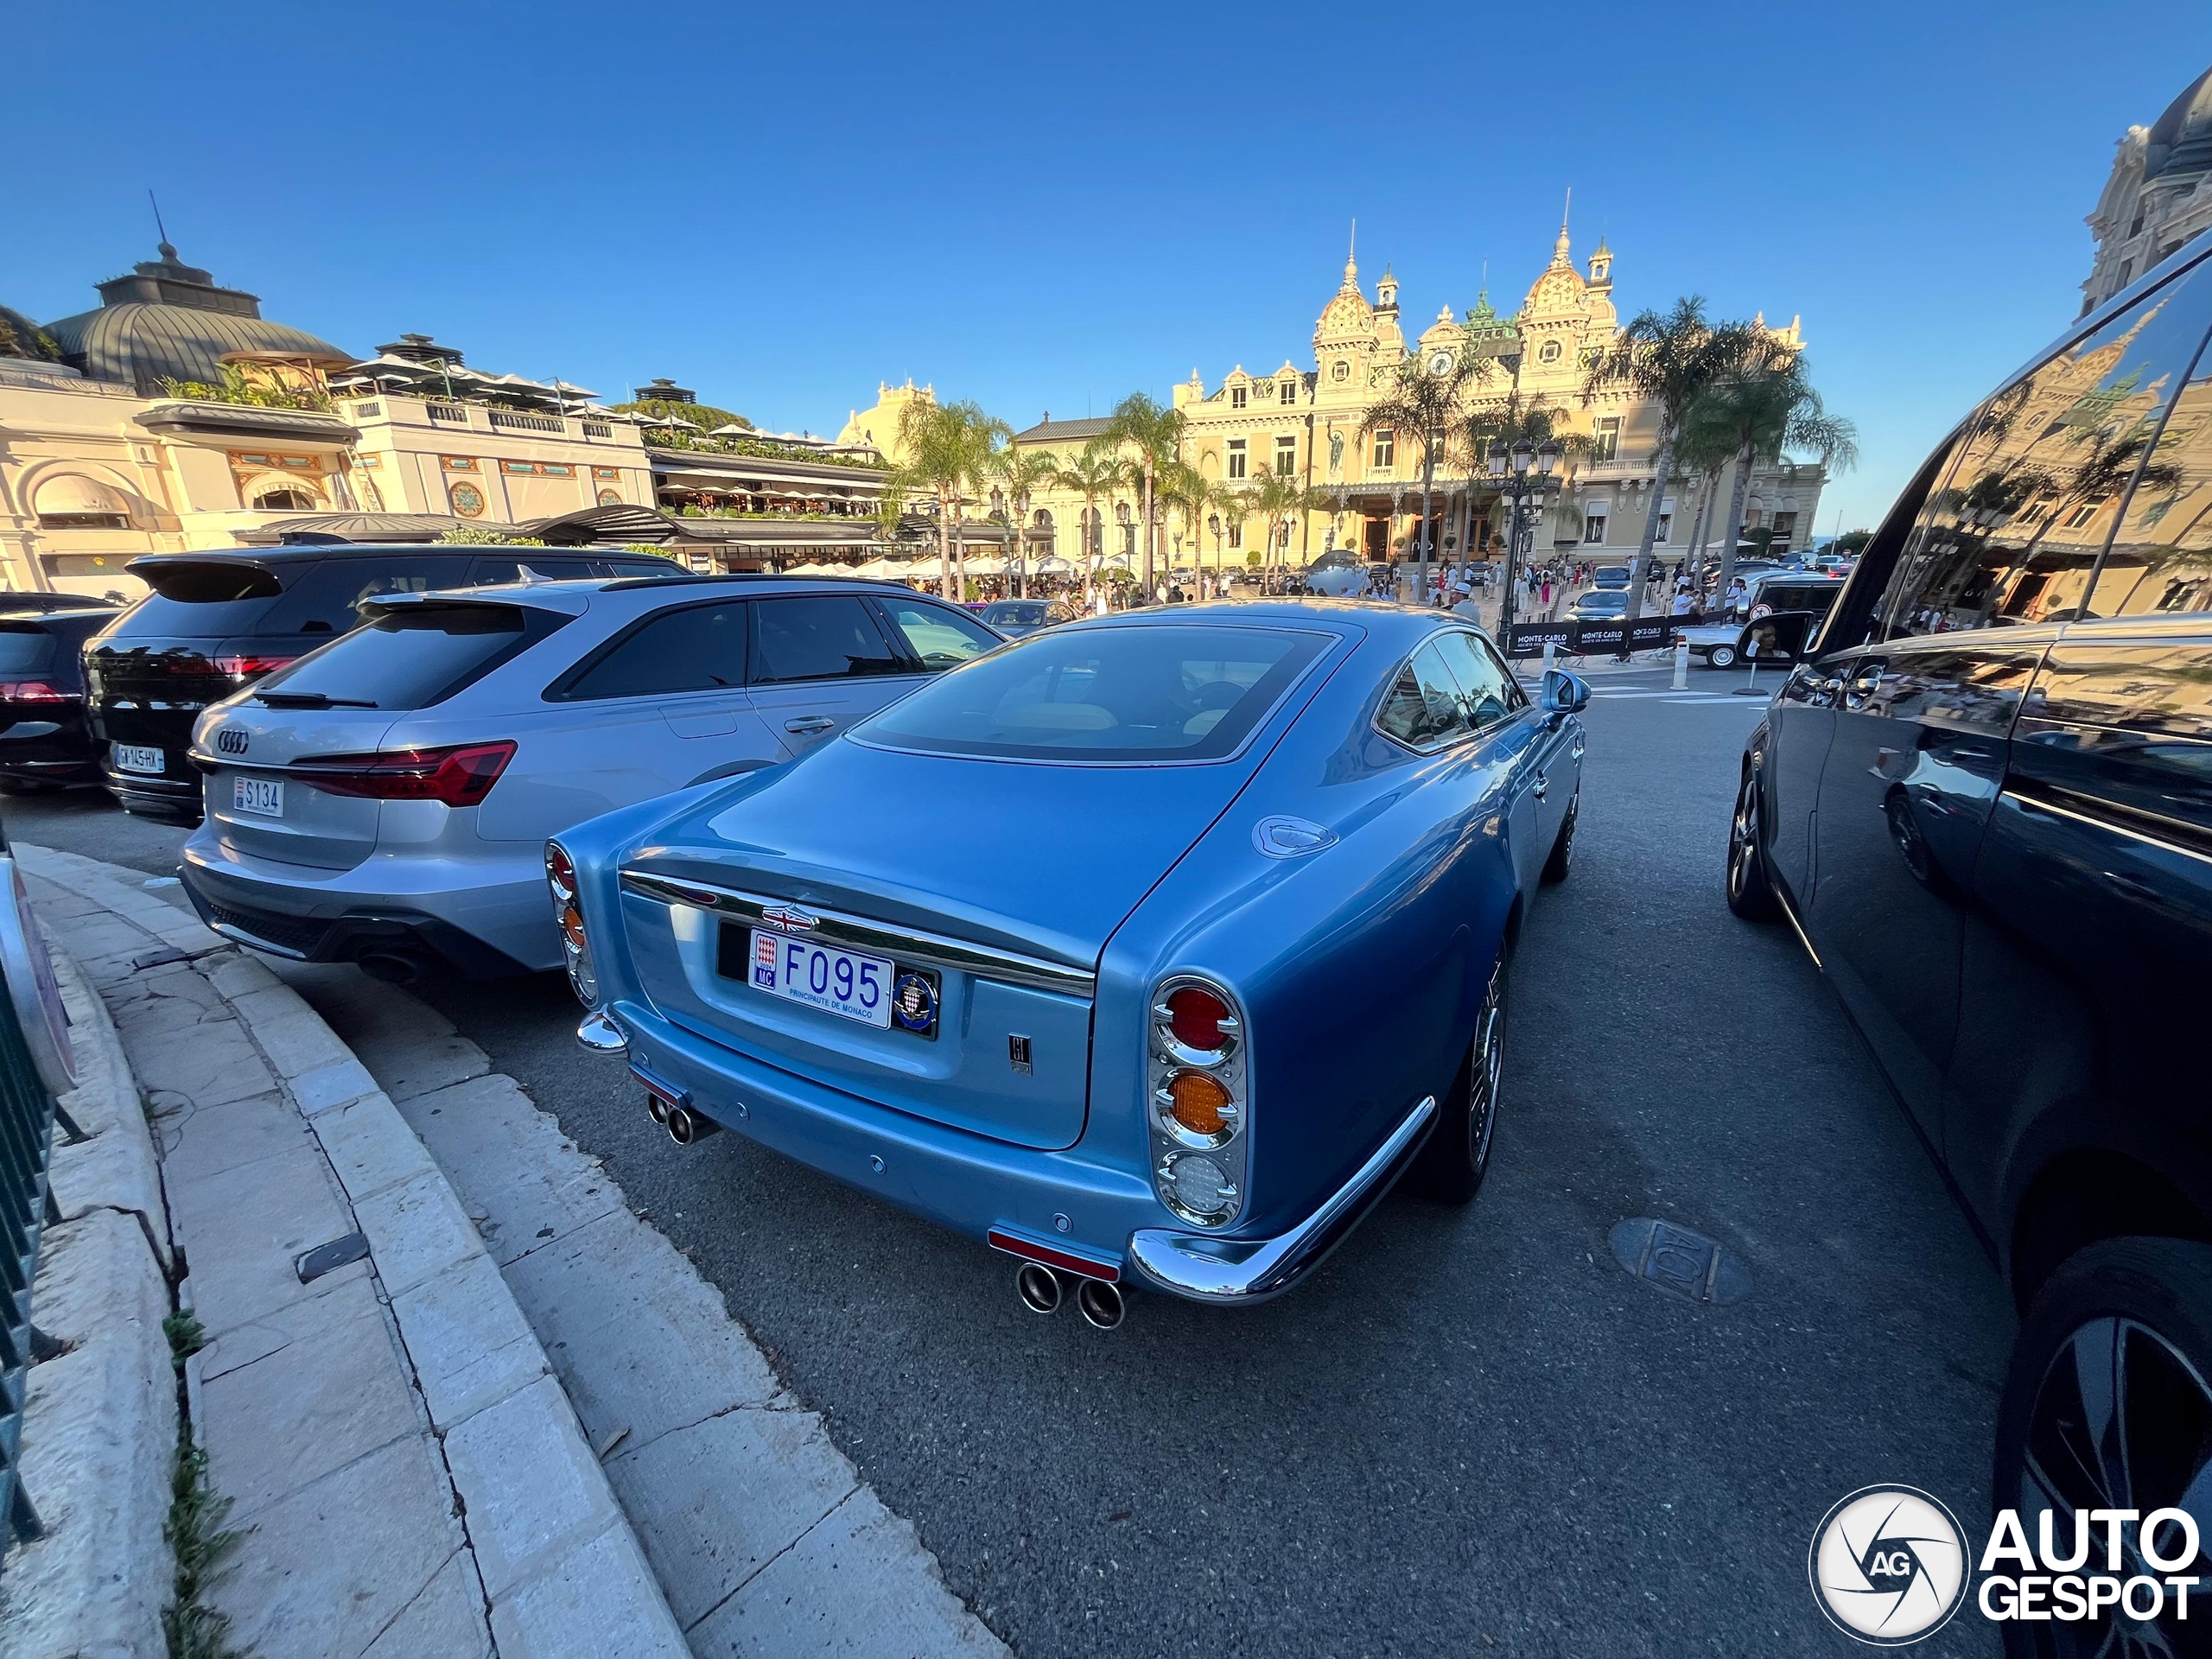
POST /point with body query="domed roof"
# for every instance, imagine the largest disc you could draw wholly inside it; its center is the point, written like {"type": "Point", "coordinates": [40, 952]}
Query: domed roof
{"type": "Point", "coordinates": [1348, 312]}
{"type": "Point", "coordinates": [21, 337]}
{"type": "Point", "coordinates": [2180, 139]}
{"type": "Point", "coordinates": [169, 320]}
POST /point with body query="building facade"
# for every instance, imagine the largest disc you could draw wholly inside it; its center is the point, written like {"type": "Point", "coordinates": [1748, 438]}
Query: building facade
{"type": "Point", "coordinates": [175, 417]}
{"type": "Point", "coordinates": [2158, 197]}
{"type": "Point", "coordinates": [1308, 419]}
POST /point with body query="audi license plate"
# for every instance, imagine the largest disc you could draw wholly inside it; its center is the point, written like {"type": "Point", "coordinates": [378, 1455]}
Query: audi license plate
{"type": "Point", "coordinates": [842, 981]}
{"type": "Point", "coordinates": [128, 758]}
{"type": "Point", "coordinates": [262, 796]}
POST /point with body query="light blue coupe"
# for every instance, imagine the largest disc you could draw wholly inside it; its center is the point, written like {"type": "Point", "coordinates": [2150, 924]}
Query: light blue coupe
{"type": "Point", "coordinates": [1153, 949]}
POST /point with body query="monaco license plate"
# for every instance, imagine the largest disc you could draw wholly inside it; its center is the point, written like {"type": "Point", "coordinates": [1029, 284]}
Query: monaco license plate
{"type": "Point", "coordinates": [262, 796]}
{"type": "Point", "coordinates": [130, 758]}
{"type": "Point", "coordinates": [822, 977]}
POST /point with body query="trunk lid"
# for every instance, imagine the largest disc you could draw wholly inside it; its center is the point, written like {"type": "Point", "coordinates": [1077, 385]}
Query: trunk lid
{"type": "Point", "coordinates": [1030, 867]}
{"type": "Point", "coordinates": [307, 826]}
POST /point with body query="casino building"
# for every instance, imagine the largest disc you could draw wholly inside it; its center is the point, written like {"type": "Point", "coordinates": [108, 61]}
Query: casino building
{"type": "Point", "coordinates": [1307, 417]}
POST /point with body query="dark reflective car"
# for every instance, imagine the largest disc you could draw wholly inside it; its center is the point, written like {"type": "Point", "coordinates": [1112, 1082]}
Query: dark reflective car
{"type": "Point", "coordinates": [1013, 617]}
{"type": "Point", "coordinates": [216, 622]}
{"type": "Point", "coordinates": [46, 740]}
{"type": "Point", "coordinates": [1983, 799]}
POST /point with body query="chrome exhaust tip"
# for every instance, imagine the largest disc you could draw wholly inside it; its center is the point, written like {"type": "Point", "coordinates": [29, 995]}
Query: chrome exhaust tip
{"type": "Point", "coordinates": [687, 1128]}
{"type": "Point", "coordinates": [1037, 1286]}
{"type": "Point", "coordinates": [656, 1108]}
{"type": "Point", "coordinates": [1099, 1303]}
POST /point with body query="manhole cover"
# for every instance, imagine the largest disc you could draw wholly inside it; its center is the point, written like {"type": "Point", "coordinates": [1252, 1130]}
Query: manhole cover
{"type": "Point", "coordinates": [1679, 1261]}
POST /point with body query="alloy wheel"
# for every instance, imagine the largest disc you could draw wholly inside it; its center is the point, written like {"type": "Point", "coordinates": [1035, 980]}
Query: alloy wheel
{"type": "Point", "coordinates": [1743, 839]}
{"type": "Point", "coordinates": [2122, 1421]}
{"type": "Point", "coordinates": [1487, 1068]}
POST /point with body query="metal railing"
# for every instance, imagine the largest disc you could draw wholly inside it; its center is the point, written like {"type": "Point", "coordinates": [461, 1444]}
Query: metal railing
{"type": "Point", "coordinates": [27, 1112]}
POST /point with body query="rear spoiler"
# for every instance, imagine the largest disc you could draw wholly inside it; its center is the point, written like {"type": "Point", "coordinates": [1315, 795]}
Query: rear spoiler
{"type": "Point", "coordinates": [206, 578]}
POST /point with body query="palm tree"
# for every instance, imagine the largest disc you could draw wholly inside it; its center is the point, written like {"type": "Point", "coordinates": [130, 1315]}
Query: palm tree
{"type": "Point", "coordinates": [1276, 500]}
{"type": "Point", "coordinates": [1020, 474]}
{"type": "Point", "coordinates": [1704, 454]}
{"type": "Point", "coordinates": [1190, 493]}
{"type": "Point", "coordinates": [1424, 404]}
{"type": "Point", "coordinates": [1668, 359]}
{"type": "Point", "coordinates": [1513, 423]}
{"type": "Point", "coordinates": [947, 448]}
{"type": "Point", "coordinates": [1092, 472]}
{"type": "Point", "coordinates": [1156, 434]}
{"type": "Point", "coordinates": [1762, 410]}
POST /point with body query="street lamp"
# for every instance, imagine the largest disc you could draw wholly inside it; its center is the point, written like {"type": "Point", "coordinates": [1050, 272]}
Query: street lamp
{"type": "Point", "coordinates": [1509, 470]}
{"type": "Point", "coordinates": [1021, 545]}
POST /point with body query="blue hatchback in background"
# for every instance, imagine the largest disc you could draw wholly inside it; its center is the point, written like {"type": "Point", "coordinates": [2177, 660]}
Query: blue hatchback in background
{"type": "Point", "coordinates": [1154, 946]}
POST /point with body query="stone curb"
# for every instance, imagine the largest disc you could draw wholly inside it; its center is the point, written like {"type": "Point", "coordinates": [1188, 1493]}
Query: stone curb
{"type": "Point", "coordinates": [100, 1420]}
{"type": "Point", "coordinates": [561, 1569]}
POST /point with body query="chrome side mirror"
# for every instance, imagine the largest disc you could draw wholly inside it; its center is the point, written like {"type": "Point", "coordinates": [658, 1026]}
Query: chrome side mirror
{"type": "Point", "coordinates": [1565, 693]}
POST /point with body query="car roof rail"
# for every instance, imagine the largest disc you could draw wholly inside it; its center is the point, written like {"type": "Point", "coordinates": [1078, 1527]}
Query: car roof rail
{"type": "Point", "coordinates": [630, 584]}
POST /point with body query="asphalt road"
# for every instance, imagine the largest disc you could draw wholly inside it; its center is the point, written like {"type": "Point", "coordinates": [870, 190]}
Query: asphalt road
{"type": "Point", "coordinates": [1473, 1431]}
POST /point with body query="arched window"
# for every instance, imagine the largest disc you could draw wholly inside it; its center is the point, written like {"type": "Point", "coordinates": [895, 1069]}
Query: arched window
{"type": "Point", "coordinates": [283, 499]}
{"type": "Point", "coordinates": [72, 501]}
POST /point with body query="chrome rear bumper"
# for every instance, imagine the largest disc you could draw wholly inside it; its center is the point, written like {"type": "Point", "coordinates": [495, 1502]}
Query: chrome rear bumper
{"type": "Point", "coordinates": [1240, 1271]}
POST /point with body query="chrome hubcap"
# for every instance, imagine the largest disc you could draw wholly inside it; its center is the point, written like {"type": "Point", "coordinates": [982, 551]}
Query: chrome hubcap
{"type": "Point", "coordinates": [2121, 1420]}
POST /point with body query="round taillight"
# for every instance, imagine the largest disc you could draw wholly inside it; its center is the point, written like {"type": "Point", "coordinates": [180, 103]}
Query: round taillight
{"type": "Point", "coordinates": [559, 873]}
{"type": "Point", "coordinates": [1196, 1016]}
{"type": "Point", "coordinates": [1201, 1104]}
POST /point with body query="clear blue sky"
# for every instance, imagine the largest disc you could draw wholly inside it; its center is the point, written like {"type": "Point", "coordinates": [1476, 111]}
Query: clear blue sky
{"type": "Point", "coordinates": [1045, 207]}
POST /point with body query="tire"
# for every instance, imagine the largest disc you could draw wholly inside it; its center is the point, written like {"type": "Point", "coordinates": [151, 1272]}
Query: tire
{"type": "Point", "coordinates": [2138, 1313]}
{"type": "Point", "coordinates": [1751, 895]}
{"type": "Point", "coordinates": [1562, 855]}
{"type": "Point", "coordinates": [1720, 657]}
{"type": "Point", "coordinates": [1456, 1156]}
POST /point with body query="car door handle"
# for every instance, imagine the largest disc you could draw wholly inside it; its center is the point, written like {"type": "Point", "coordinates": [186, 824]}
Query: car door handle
{"type": "Point", "coordinates": [1541, 787]}
{"type": "Point", "coordinates": [806, 725]}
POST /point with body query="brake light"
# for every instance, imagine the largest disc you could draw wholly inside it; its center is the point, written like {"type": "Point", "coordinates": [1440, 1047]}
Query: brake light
{"type": "Point", "coordinates": [33, 691]}
{"type": "Point", "coordinates": [1196, 1015]}
{"type": "Point", "coordinates": [461, 776]}
{"type": "Point", "coordinates": [243, 666]}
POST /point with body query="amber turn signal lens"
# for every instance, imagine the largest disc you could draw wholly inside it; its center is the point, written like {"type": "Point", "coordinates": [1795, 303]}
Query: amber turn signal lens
{"type": "Point", "coordinates": [572, 927]}
{"type": "Point", "coordinates": [1194, 1014]}
{"type": "Point", "coordinates": [1201, 1104]}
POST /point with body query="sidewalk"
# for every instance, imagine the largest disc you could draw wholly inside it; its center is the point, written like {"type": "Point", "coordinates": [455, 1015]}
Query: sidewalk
{"type": "Point", "coordinates": [491, 1242]}
{"type": "Point", "coordinates": [404, 1474]}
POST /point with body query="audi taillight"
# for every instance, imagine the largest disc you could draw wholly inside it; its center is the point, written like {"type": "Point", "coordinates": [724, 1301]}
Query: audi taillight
{"type": "Point", "coordinates": [461, 776]}
{"type": "Point", "coordinates": [1197, 1080]}
{"type": "Point", "coordinates": [242, 667]}
{"type": "Point", "coordinates": [33, 691]}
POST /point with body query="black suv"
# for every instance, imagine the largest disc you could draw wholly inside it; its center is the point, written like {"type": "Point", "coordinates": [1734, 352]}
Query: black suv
{"type": "Point", "coordinates": [216, 622]}
{"type": "Point", "coordinates": [46, 740]}
{"type": "Point", "coordinates": [1983, 797]}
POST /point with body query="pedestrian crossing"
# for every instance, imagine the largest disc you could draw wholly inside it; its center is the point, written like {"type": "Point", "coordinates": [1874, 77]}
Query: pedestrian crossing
{"type": "Point", "coordinates": [1674, 699]}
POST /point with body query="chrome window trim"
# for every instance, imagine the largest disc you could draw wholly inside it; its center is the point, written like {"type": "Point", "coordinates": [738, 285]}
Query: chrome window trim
{"type": "Point", "coordinates": [2039, 803]}
{"type": "Point", "coordinates": [1473, 732]}
{"type": "Point", "coordinates": [862, 933]}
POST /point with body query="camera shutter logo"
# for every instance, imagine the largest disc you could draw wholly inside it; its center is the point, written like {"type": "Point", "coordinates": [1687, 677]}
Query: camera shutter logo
{"type": "Point", "coordinates": [1889, 1565]}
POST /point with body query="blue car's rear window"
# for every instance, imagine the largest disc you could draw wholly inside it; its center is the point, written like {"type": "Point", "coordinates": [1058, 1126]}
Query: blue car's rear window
{"type": "Point", "coordinates": [1173, 692]}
